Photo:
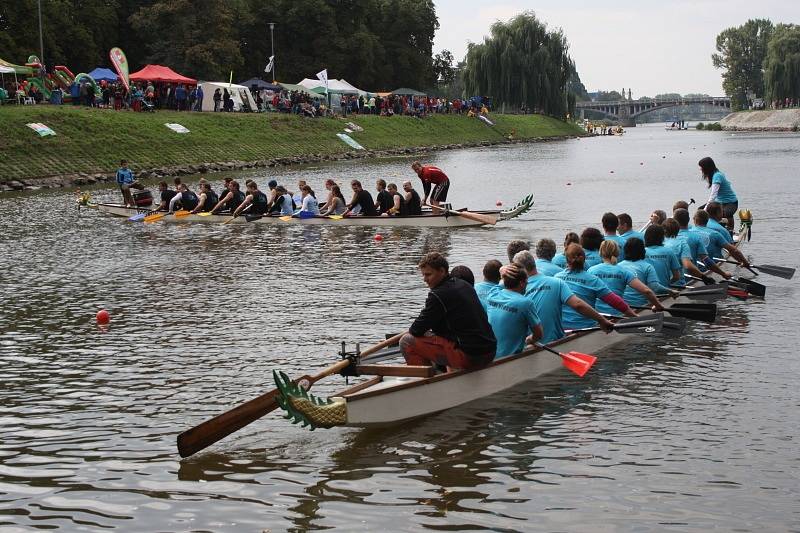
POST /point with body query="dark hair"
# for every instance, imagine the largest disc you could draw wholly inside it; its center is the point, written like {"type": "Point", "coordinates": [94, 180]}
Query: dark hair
{"type": "Point", "coordinates": [634, 249]}
{"type": "Point", "coordinates": [700, 218]}
{"type": "Point", "coordinates": [654, 235]}
{"type": "Point", "coordinates": [671, 227]}
{"type": "Point", "coordinates": [164, 183]}
{"type": "Point", "coordinates": [708, 168]}
{"type": "Point", "coordinates": [355, 182]}
{"type": "Point", "coordinates": [433, 260]}
{"type": "Point", "coordinates": [714, 210]}
{"type": "Point", "coordinates": [463, 272]}
{"type": "Point", "coordinates": [516, 246]}
{"type": "Point", "coordinates": [680, 204]}
{"type": "Point", "coordinates": [682, 216]}
{"type": "Point", "coordinates": [610, 222]}
{"type": "Point", "coordinates": [591, 239]}
{"type": "Point", "coordinates": [337, 192]}
{"type": "Point", "coordinates": [571, 238]}
{"type": "Point", "coordinates": [662, 216]}
{"type": "Point", "coordinates": [545, 249]}
{"type": "Point", "coordinates": [491, 270]}
{"type": "Point", "coordinates": [625, 218]}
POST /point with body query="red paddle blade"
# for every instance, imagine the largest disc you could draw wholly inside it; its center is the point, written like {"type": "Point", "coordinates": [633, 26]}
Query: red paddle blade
{"type": "Point", "coordinates": [578, 363]}
{"type": "Point", "coordinates": [742, 295]}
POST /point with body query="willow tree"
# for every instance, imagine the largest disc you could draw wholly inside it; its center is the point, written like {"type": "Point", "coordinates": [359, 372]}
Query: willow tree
{"type": "Point", "coordinates": [522, 64]}
{"type": "Point", "coordinates": [782, 65]}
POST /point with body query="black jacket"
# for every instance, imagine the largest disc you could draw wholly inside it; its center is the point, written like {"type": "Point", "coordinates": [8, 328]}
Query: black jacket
{"type": "Point", "coordinates": [453, 311]}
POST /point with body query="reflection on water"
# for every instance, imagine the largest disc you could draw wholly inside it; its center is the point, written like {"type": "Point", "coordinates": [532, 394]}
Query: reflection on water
{"type": "Point", "coordinates": [687, 433]}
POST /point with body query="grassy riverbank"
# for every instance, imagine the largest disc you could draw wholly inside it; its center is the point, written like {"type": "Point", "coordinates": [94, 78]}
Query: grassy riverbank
{"type": "Point", "coordinates": [94, 140]}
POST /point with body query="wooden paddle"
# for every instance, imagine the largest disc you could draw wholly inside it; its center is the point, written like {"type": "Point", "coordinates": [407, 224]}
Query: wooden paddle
{"type": "Point", "coordinates": [203, 435]}
{"type": "Point", "coordinates": [576, 362]}
{"type": "Point", "coordinates": [693, 311]}
{"type": "Point", "coordinates": [647, 324]}
{"type": "Point", "coordinates": [477, 217]}
{"type": "Point", "coordinates": [772, 270]}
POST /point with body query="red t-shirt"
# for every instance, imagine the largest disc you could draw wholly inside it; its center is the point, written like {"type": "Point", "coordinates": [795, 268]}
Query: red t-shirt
{"type": "Point", "coordinates": [431, 174]}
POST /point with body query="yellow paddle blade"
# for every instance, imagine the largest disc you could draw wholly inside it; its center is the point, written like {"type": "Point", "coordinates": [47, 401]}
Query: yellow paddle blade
{"type": "Point", "coordinates": [182, 213]}
{"type": "Point", "coordinates": [154, 217]}
{"type": "Point", "coordinates": [204, 214]}
{"type": "Point", "coordinates": [287, 218]}
{"type": "Point", "coordinates": [335, 217]}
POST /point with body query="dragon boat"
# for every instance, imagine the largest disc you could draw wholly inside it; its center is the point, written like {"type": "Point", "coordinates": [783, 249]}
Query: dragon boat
{"type": "Point", "coordinates": [444, 218]}
{"type": "Point", "coordinates": [397, 393]}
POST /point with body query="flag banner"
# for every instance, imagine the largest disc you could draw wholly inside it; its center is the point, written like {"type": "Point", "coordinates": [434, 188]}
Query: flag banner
{"type": "Point", "coordinates": [350, 141]}
{"type": "Point", "coordinates": [270, 64]}
{"type": "Point", "coordinates": [177, 128]}
{"type": "Point", "coordinates": [120, 63]}
{"type": "Point", "coordinates": [322, 76]}
{"type": "Point", "coordinates": [41, 129]}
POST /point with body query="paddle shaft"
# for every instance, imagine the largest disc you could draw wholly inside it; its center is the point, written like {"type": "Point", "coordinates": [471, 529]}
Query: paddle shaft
{"type": "Point", "coordinates": [203, 435]}
{"type": "Point", "coordinates": [772, 270]}
{"type": "Point", "coordinates": [477, 217]}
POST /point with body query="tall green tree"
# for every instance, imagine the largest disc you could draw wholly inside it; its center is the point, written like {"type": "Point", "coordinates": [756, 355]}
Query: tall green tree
{"type": "Point", "coordinates": [782, 66]}
{"type": "Point", "coordinates": [198, 37]}
{"type": "Point", "coordinates": [741, 52]}
{"type": "Point", "coordinates": [443, 69]}
{"type": "Point", "coordinates": [522, 63]}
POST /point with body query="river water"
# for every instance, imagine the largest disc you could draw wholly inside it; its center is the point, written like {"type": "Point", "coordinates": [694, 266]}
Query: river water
{"type": "Point", "coordinates": [682, 434]}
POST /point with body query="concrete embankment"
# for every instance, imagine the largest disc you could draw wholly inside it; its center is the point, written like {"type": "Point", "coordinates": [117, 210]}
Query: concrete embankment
{"type": "Point", "coordinates": [89, 143]}
{"type": "Point", "coordinates": [767, 120]}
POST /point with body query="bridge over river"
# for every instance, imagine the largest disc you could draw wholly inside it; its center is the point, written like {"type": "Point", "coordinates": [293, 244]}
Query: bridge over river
{"type": "Point", "coordinates": [626, 112]}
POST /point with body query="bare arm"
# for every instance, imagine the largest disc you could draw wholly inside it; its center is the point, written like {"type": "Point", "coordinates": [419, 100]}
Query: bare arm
{"type": "Point", "coordinates": [589, 312]}
{"type": "Point", "coordinates": [223, 201]}
{"type": "Point", "coordinates": [247, 201]}
{"type": "Point", "coordinates": [737, 254]}
{"type": "Point", "coordinates": [200, 201]}
{"type": "Point", "coordinates": [535, 335]}
{"type": "Point", "coordinates": [647, 293]}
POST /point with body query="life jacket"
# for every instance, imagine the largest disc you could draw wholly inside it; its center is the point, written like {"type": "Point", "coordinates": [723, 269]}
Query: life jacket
{"type": "Point", "coordinates": [414, 205]}
{"type": "Point", "coordinates": [403, 207]}
{"type": "Point", "coordinates": [188, 200]}
{"type": "Point", "coordinates": [259, 203]}
{"type": "Point", "coordinates": [211, 201]}
{"type": "Point", "coordinates": [235, 201]}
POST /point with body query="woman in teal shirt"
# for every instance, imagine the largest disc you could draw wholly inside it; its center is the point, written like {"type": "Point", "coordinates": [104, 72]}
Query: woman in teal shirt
{"type": "Point", "coordinates": [721, 189]}
{"type": "Point", "coordinates": [620, 280]}
{"type": "Point", "coordinates": [636, 263]}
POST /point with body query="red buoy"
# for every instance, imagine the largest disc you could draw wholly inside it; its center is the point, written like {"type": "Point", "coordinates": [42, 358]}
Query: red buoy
{"type": "Point", "coordinates": [378, 237]}
{"type": "Point", "coordinates": [498, 203]}
{"type": "Point", "coordinates": [103, 317]}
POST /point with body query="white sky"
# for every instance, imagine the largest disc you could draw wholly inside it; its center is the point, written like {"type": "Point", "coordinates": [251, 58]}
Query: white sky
{"type": "Point", "coordinates": [650, 47]}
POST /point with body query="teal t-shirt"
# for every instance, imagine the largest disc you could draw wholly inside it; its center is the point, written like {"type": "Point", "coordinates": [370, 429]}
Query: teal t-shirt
{"type": "Point", "coordinates": [549, 296]}
{"type": "Point", "coordinates": [560, 260]}
{"type": "Point", "coordinates": [645, 272]}
{"type": "Point", "coordinates": [714, 241]}
{"type": "Point", "coordinates": [630, 233]}
{"type": "Point", "coordinates": [696, 243]}
{"type": "Point", "coordinates": [547, 268]}
{"type": "Point", "coordinates": [588, 288]}
{"type": "Point", "coordinates": [592, 258]}
{"type": "Point", "coordinates": [484, 290]}
{"type": "Point", "coordinates": [616, 278]}
{"type": "Point", "coordinates": [722, 230]}
{"type": "Point", "coordinates": [512, 317]}
{"type": "Point", "coordinates": [664, 261]}
{"type": "Point", "coordinates": [725, 194]}
{"type": "Point", "coordinates": [681, 250]}
{"type": "Point", "coordinates": [620, 243]}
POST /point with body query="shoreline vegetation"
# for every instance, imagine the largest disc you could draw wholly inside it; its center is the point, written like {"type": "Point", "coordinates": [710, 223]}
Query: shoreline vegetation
{"type": "Point", "coordinates": [89, 143]}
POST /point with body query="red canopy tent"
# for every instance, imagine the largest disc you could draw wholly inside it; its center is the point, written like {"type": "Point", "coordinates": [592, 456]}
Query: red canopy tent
{"type": "Point", "coordinates": [160, 73]}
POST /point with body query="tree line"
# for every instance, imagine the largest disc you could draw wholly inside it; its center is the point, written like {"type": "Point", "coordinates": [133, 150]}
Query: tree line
{"type": "Point", "coordinates": [761, 60]}
{"type": "Point", "coordinates": [374, 44]}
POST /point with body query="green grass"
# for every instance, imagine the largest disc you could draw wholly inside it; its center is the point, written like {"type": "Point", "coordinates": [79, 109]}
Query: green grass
{"type": "Point", "coordinates": [94, 140]}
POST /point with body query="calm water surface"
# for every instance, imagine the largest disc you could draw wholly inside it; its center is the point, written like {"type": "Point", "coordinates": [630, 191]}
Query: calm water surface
{"type": "Point", "coordinates": [681, 434]}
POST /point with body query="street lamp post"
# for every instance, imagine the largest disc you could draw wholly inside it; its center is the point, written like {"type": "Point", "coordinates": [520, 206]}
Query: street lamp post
{"type": "Point", "coordinates": [41, 41]}
{"type": "Point", "coordinates": [272, 41]}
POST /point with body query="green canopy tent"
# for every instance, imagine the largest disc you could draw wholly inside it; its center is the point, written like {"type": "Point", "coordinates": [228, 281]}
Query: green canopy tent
{"type": "Point", "coordinates": [405, 91]}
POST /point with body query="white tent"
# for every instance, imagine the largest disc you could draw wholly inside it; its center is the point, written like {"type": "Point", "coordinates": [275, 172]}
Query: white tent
{"type": "Point", "coordinates": [334, 86]}
{"type": "Point", "coordinates": [365, 94]}
{"type": "Point", "coordinates": [242, 98]}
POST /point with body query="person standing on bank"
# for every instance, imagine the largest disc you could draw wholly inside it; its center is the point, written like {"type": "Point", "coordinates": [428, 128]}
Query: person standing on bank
{"type": "Point", "coordinates": [452, 329]}
{"type": "Point", "coordinates": [721, 190]}
{"type": "Point", "coordinates": [432, 176]}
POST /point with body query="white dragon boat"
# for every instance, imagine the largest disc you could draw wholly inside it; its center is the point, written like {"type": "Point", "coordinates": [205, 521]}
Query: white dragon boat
{"type": "Point", "coordinates": [447, 218]}
{"type": "Point", "coordinates": [398, 393]}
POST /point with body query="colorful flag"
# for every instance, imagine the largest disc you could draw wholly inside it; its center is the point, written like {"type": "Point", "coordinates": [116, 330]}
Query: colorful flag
{"type": "Point", "coordinates": [120, 63]}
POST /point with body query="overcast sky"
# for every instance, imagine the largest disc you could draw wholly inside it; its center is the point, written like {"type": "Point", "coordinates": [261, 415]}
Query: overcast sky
{"type": "Point", "coordinates": [648, 46]}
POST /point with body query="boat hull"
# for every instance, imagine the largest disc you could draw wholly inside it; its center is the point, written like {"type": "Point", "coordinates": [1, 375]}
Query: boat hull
{"type": "Point", "coordinates": [446, 220]}
{"type": "Point", "coordinates": [396, 399]}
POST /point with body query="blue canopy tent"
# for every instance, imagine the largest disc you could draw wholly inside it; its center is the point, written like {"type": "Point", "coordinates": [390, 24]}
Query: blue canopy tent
{"type": "Point", "coordinates": [101, 74]}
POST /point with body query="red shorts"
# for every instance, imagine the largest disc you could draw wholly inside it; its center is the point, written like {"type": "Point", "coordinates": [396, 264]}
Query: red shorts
{"type": "Point", "coordinates": [432, 349]}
